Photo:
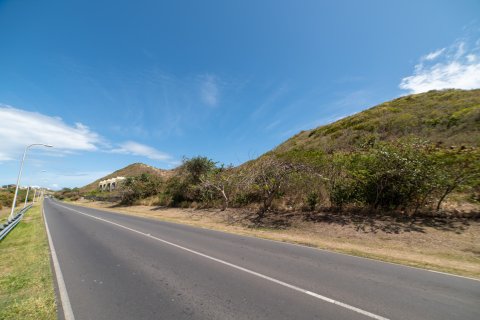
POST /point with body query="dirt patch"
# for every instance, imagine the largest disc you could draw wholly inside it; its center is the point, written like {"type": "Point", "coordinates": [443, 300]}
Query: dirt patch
{"type": "Point", "coordinates": [449, 244]}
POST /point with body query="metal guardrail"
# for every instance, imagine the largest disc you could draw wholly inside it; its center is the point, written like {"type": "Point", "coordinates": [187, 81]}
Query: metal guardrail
{"type": "Point", "coordinates": [8, 226]}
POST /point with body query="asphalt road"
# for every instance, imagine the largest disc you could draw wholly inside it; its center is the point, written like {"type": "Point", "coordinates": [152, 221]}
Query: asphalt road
{"type": "Point", "coordinates": [116, 266]}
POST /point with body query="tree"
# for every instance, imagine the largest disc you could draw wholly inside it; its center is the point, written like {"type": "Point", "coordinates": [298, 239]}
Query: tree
{"type": "Point", "coordinates": [268, 178]}
{"type": "Point", "coordinates": [220, 181]}
{"type": "Point", "coordinates": [187, 184]}
{"type": "Point", "coordinates": [136, 188]}
{"type": "Point", "coordinates": [455, 169]}
{"type": "Point", "coordinates": [195, 167]}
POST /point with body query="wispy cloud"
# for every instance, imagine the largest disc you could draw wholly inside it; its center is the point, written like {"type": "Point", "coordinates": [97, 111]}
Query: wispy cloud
{"type": "Point", "coordinates": [434, 55]}
{"type": "Point", "coordinates": [209, 90]}
{"type": "Point", "coordinates": [270, 101]}
{"type": "Point", "coordinates": [451, 67]}
{"type": "Point", "coordinates": [19, 128]}
{"type": "Point", "coordinates": [272, 125]}
{"type": "Point", "coordinates": [138, 149]}
{"type": "Point", "coordinates": [358, 99]}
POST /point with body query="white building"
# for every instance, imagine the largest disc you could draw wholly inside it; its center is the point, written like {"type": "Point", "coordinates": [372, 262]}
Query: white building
{"type": "Point", "coordinates": [110, 184]}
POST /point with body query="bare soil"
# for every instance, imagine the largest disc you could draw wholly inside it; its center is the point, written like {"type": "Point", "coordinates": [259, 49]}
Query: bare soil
{"type": "Point", "coordinates": [447, 244]}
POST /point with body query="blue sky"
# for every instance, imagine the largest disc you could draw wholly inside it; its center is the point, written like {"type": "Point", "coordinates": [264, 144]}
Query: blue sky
{"type": "Point", "coordinates": [109, 83]}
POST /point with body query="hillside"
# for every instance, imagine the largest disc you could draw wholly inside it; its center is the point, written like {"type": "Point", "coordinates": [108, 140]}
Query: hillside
{"type": "Point", "coordinates": [406, 155]}
{"type": "Point", "coordinates": [445, 118]}
{"type": "Point", "coordinates": [133, 170]}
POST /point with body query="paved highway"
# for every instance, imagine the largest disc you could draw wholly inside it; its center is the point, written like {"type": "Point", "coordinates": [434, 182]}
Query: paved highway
{"type": "Point", "coordinates": [114, 266]}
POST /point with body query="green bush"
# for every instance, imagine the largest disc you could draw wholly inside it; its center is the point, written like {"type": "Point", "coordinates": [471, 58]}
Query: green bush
{"type": "Point", "coordinates": [390, 176]}
{"type": "Point", "coordinates": [312, 200]}
{"type": "Point", "coordinates": [144, 186]}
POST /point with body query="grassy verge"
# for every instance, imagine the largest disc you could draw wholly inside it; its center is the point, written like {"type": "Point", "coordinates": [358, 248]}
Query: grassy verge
{"type": "Point", "coordinates": [26, 285]}
{"type": "Point", "coordinates": [5, 212]}
{"type": "Point", "coordinates": [451, 246]}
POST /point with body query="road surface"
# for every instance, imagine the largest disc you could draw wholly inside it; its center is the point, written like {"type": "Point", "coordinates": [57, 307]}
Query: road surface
{"type": "Point", "coordinates": [115, 266]}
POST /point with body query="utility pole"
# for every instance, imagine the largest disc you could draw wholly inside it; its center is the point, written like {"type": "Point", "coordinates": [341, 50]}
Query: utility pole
{"type": "Point", "coordinates": [10, 217]}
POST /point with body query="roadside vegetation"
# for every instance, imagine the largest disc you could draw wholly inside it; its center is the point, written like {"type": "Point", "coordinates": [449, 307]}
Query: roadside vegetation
{"type": "Point", "coordinates": [6, 200]}
{"type": "Point", "coordinates": [404, 167]}
{"type": "Point", "coordinates": [26, 285]}
{"type": "Point", "coordinates": [406, 157]}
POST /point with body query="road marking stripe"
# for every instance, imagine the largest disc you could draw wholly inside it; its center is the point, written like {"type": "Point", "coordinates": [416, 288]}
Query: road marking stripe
{"type": "Point", "coordinates": [293, 287]}
{"type": "Point", "coordinates": [331, 251]}
{"type": "Point", "coordinates": [66, 306]}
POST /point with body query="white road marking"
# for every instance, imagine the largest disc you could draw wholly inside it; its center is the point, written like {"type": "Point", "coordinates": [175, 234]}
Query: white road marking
{"type": "Point", "coordinates": [66, 306]}
{"type": "Point", "coordinates": [331, 251]}
{"type": "Point", "coordinates": [293, 287]}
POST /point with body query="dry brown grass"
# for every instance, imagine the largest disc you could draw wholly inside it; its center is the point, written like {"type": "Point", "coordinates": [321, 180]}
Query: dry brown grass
{"type": "Point", "coordinates": [448, 245]}
{"type": "Point", "coordinates": [5, 212]}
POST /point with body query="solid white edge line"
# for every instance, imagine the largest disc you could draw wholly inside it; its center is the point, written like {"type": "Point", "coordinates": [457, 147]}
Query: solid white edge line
{"type": "Point", "coordinates": [293, 287]}
{"type": "Point", "coordinates": [66, 306]}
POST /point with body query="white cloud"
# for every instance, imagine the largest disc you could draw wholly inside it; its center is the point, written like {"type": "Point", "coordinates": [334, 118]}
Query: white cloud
{"type": "Point", "coordinates": [453, 67]}
{"type": "Point", "coordinates": [137, 149]}
{"type": "Point", "coordinates": [19, 128]}
{"type": "Point", "coordinates": [471, 58]}
{"type": "Point", "coordinates": [209, 91]}
{"type": "Point", "coordinates": [434, 55]}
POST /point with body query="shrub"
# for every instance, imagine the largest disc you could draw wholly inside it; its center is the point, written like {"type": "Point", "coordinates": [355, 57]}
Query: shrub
{"type": "Point", "coordinates": [141, 187]}
{"type": "Point", "coordinates": [390, 176]}
{"type": "Point", "coordinates": [455, 169]}
{"type": "Point", "coordinates": [312, 200]}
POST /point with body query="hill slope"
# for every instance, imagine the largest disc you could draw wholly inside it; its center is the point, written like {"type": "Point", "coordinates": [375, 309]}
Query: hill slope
{"type": "Point", "coordinates": [133, 170]}
{"type": "Point", "coordinates": [362, 161]}
{"type": "Point", "coordinates": [446, 118]}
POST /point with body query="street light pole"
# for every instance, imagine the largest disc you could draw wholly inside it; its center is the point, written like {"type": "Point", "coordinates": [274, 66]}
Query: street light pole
{"type": "Point", "coordinates": [35, 194]}
{"type": "Point", "coordinates": [26, 198]}
{"type": "Point", "coordinates": [20, 175]}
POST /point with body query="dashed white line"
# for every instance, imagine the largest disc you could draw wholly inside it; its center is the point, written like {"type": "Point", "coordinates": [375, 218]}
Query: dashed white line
{"type": "Point", "coordinates": [66, 306]}
{"type": "Point", "coordinates": [293, 287]}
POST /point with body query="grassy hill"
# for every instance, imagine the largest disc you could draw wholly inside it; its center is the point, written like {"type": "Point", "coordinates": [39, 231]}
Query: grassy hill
{"type": "Point", "coordinates": [410, 154]}
{"type": "Point", "coordinates": [133, 170]}
{"type": "Point", "coordinates": [406, 155]}
{"type": "Point", "coordinates": [445, 118]}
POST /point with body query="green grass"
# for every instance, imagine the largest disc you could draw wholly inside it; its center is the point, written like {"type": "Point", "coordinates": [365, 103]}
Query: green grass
{"type": "Point", "coordinates": [445, 118]}
{"type": "Point", "coordinates": [26, 285]}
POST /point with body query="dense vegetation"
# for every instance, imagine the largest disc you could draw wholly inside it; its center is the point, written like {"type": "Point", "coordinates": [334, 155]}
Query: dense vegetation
{"type": "Point", "coordinates": [7, 194]}
{"type": "Point", "coordinates": [407, 156]}
{"type": "Point", "coordinates": [67, 193]}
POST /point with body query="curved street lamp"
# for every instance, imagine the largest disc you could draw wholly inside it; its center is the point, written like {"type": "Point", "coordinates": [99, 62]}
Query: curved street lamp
{"type": "Point", "coordinates": [20, 175]}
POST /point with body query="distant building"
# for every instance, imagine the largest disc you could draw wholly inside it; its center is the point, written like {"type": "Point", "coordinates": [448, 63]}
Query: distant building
{"type": "Point", "coordinates": [110, 184]}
